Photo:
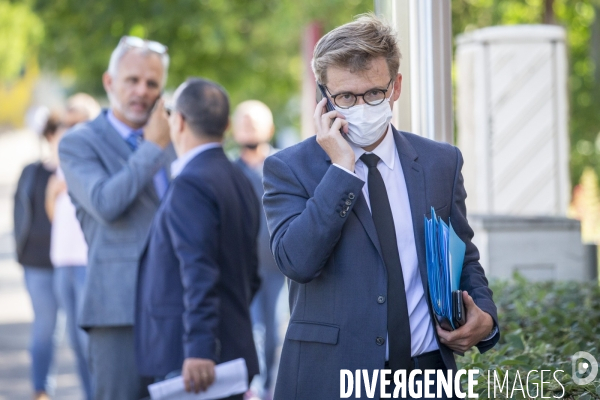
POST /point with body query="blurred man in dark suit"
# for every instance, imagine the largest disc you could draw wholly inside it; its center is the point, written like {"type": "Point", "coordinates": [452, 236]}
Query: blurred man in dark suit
{"type": "Point", "coordinates": [199, 272]}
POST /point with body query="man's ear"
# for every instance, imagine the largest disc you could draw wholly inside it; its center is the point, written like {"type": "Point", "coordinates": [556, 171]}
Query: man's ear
{"type": "Point", "coordinates": [107, 80]}
{"type": "Point", "coordinates": [397, 87]}
{"type": "Point", "coordinates": [179, 122]}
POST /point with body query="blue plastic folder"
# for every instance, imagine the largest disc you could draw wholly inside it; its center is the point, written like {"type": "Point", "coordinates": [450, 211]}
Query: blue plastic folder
{"type": "Point", "coordinates": [445, 255]}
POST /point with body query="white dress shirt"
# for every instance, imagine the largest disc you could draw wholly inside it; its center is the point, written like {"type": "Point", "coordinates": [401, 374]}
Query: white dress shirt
{"type": "Point", "coordinates": [421, 327]}
{"type": "Point", "coordinates": [178, 165]}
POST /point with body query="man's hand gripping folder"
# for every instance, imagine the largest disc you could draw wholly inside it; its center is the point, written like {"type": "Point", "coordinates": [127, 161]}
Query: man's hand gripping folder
{"type": "Point", "coordinates": [445, 255]}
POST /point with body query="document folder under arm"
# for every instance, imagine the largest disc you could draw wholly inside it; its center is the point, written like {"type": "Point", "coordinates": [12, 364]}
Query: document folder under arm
{"type": "Point", "coordinates": [445, 253]}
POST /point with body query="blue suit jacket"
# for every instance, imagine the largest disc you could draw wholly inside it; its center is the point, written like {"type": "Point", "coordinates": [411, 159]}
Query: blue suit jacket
{"type": "Point", "coordinates": [199, 272]}
{"type": "Point", "coordinates": [334, 261]}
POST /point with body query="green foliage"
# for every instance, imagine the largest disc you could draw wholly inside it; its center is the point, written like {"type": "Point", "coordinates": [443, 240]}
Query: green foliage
{"type": "Point", "coordinates": [542, 325]}
{"type": "Point", "coordinates": [21, 31]}
{"type": "Point", "coordinates": [251, 47]}
{"type": "Point", "coordinates": [581, 19]}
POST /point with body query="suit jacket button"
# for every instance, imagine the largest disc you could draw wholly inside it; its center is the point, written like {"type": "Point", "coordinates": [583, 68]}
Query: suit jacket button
{"type": "Point", "coordinates": [380, 341]}
{"type": "Point", "coordinates": [351, 196]}
{"type": "Point", "coordinates": [346, 208]}
{"type": "Point", "coordinates": [381, 299]}
{"type": "Point", "coordinates": [348, 202]}
{"type": "Point", "coordinates": [343, 214]}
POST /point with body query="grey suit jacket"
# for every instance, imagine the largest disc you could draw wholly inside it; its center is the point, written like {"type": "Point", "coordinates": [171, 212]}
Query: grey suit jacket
{"type": "Point", "coordinates": [333, 258]}
{"type": "Point", "coordinates": [113, 191]}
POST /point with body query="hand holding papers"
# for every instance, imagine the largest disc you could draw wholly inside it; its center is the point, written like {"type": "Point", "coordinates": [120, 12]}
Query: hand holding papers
{"type": "Point", "coordinates": [445, 255]}
{"type": "Point", "coordinates": [230, 378]}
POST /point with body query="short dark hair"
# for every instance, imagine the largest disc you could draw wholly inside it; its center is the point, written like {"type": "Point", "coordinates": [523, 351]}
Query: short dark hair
{"type": "Point", "coordinates": [354, 45]}
{"type": "Point", "coordinates": [205, 107]}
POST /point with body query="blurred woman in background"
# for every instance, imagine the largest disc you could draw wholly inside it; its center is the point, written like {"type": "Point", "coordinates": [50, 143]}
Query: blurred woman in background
{"type": "Point", "coordinates": [32, 235]}
{"type": "Point", "coordinates": [68, 249]}
{"type": "Point", "coordinates": [52, 250]}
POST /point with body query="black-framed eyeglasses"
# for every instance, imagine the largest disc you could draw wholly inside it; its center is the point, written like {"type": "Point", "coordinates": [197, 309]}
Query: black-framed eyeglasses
{"type": "Point", "coordinates": [372, 97]}
{"type": "Point", "coordinates": [133, 41]}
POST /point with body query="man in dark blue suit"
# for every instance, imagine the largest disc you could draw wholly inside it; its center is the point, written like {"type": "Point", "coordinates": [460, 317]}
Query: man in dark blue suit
{"type": "Point", "coordinates": [200, 270]}
{"type": "Point", "coordinates": [345, 212]}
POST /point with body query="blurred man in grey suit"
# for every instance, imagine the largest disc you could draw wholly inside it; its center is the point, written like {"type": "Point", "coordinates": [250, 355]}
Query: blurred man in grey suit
{"type": "Point", "coordinates": [116, 168]}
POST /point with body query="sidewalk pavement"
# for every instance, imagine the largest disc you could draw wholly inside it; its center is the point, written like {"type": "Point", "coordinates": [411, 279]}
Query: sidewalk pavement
{"type": "Point", "coordinates": [17, 149]}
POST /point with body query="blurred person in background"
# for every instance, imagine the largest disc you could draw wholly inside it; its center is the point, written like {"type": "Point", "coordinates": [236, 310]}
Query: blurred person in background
{"type": "Point", "coordinates": [32, 234]}
{"type": "Point", "coordinates": [68, 249]}
{"type": "Point", "coordinates": [199, 272]}
{"type": "Point", "coordinates": [116, 168]}
{"type": "Point", "coordinates": [253, 129]}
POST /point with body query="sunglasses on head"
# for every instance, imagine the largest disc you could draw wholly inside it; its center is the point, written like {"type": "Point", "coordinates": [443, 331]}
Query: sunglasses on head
{"type": "Point", "coordinates": [133, 41]}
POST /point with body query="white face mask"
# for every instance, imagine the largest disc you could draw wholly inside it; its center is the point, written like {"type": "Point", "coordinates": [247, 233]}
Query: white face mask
{"type": "Point", "coordinates": [367, 124]}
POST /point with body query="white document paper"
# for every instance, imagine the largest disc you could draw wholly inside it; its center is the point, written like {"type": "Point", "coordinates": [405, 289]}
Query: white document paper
{"type": "Point", "coordinates": [230, 378]}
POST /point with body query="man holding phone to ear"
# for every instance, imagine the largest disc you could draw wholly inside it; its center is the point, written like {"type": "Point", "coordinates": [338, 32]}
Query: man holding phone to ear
{"type": "Point", "coordinates": [345, 211]}
{"type": "Point", "coordinates": [117, 169]}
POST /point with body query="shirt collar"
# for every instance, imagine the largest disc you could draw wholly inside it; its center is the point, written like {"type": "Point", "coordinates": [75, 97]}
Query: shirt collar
{"type": "Point", "coordinates": [386, 150]}
{"type": "Point", "coordinates": [122, 128]}
{"type": "Point", "coordinates": [178, 165]}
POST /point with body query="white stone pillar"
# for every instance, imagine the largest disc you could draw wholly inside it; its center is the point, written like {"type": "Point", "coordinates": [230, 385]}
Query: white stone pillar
{"type": "Point", "coordinates": [425, 31]}
{"type": "Point", "coordinates": [513, 119]}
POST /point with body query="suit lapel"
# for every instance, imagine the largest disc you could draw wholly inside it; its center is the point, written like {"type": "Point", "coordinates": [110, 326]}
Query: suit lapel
{"type": "Point", "coordinates": [415, 185]}
{"type": "Point", "coordinates": [361, 209]}
{"type": "Point", "coordinates": [112, 137]}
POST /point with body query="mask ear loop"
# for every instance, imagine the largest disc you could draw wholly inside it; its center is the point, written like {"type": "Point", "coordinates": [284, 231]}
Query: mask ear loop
{"type": "Point", "coordinates": [391, 92]}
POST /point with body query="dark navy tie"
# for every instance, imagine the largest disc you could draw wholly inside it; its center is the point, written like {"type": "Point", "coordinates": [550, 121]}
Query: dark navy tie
{"type": "Point", "coordinates": [398, 324]}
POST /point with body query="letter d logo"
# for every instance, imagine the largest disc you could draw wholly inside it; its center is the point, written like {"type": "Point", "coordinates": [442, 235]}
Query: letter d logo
{"type": "Point", "coordinates": [580, 368]}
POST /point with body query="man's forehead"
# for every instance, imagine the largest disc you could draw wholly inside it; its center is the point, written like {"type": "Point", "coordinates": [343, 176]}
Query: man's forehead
{"type": "Point", "coordinates": [137, 60]}
{"type": "Point", "coordinates": [345, 79]}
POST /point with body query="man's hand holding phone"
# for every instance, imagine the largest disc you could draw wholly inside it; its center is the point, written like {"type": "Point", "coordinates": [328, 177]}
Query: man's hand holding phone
{"type": "Point", "coordinates": [328, 126]}
{"type": "Point", "coordinates": [157, 128]}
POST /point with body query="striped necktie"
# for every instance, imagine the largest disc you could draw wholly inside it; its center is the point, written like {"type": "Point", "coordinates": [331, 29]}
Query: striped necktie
{"type": "Point", "coordinates": [134, 139]}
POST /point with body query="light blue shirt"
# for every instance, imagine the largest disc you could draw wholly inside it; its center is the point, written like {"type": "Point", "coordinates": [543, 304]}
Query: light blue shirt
{"type": "Point", "coordinates": [160, 179]}
{"type": "Point", "coordinates": [178, 165]}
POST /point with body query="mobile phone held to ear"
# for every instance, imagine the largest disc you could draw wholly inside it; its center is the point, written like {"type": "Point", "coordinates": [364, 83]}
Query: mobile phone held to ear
{"type": "Point", "coordinates": [329, 105]}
